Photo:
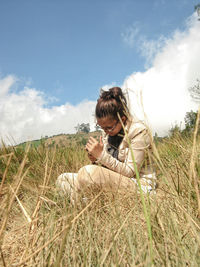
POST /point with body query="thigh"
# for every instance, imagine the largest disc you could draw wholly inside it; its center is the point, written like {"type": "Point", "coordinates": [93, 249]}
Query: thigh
{"type": "Point", "coordinates": [103, 178]}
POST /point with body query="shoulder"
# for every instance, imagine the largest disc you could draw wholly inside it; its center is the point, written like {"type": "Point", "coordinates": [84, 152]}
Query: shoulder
{"type": "Point", "coordinates": [134, 128]}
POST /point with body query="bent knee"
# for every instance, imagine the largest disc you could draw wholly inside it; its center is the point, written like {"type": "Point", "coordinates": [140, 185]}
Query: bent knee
{"type": "Point", "coordinates": [88, 170]}
{"type": "Point", "coordinates": [60, 179]}
{"type": "Point", "coordinates": [66, 181]}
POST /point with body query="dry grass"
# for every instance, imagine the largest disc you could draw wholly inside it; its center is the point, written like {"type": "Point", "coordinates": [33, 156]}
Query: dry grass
{"type": "Point", "coordinates": [38, 227]}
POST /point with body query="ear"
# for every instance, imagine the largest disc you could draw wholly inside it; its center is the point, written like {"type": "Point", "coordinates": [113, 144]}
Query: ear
{"type": "Point", "coordinates": [124, 119]}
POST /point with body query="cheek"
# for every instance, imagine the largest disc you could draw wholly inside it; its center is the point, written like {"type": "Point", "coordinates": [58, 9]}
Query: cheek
{"type": "Point", "coordinates": [116, 131]}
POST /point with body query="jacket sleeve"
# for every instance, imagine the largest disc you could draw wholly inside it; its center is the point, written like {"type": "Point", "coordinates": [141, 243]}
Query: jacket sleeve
{"type": "Point", "coordinates": [139, 140]}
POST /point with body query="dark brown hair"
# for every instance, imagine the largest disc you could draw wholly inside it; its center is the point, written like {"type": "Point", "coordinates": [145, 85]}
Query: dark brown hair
{"type": "Point", "coordinates": [111, 103]}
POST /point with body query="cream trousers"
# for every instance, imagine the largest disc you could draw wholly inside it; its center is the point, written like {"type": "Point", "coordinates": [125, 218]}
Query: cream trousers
{"type": "Point", "coordinates": [91, 176]}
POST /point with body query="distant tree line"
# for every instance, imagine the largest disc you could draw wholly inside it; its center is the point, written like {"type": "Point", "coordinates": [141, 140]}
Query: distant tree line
{"type": "Point", "coordinates": [190, 123]}
{"type": "Point", "coordinates": [83, 127]}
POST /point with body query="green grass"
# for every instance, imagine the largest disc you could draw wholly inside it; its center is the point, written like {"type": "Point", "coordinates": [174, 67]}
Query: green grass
{"type": "Point", "coordinates": [110, 229]}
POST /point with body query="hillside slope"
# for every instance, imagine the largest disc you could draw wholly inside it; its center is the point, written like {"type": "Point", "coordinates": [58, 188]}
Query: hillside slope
{"type": "Point", "coordinates": [63, 140]}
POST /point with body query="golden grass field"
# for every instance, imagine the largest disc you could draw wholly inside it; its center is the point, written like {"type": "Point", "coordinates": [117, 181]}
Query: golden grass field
{"type": "Point", "coordinates": [39, 227]}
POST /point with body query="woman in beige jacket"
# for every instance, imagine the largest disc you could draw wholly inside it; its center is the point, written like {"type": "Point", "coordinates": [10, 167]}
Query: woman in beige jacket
{"type": "Point", "coordinates": [123, 150]}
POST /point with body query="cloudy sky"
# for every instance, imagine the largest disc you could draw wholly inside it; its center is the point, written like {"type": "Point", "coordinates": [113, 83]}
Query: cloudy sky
{"type": "Point", "coordinates": [55, 55]}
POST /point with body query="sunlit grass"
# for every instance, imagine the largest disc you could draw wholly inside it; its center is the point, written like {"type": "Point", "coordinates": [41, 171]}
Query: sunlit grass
{"type": "Point", "coordinates": [38, 227]}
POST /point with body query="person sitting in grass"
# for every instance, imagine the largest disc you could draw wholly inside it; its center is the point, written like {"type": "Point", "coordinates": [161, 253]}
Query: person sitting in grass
{"type": "Point", "coordinates": [124, 149]}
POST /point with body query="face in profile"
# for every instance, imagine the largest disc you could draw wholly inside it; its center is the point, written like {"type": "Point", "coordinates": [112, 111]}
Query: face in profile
{"type": "Point", "coordinates": [110, 126]}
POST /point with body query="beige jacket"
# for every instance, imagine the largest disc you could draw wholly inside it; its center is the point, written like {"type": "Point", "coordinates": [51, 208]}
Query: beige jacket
{"type": "Point", "coordinates": [140, 143]}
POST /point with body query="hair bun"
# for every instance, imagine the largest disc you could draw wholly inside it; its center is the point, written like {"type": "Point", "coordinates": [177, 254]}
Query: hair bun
{"type": "Point", "coordinates": [117, 93]}
{"type": "Point", "coordinates": [107, 95]}
{"type": "Point", "coordinates": [112, 93]}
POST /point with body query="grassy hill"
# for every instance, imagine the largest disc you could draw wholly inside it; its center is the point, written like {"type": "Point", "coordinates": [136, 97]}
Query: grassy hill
{"type": "Point", "coordinates": [63, 140]}
{"type": "Point", "coordinates": [40, 227]}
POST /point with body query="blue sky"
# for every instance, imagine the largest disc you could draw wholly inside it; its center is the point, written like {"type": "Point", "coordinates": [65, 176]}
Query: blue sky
{"type": "Point", "coordinates": [69, 49]}
{"type": "Point", "coordinates": [65, 51]}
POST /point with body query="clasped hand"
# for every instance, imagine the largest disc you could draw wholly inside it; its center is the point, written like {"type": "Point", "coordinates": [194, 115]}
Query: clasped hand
{"type": "Point", "coordinates": [94, 148]}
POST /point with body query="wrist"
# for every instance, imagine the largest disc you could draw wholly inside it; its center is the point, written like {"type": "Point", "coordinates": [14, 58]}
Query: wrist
{"type": "Point", "coordinates": [100, 156]}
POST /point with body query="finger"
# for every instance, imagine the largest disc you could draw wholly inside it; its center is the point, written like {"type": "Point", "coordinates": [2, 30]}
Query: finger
{"type": "Point", "coordinates": [89, 141]}
{"type": "Point", "coordinates": [89, 148]}
{"type": "Point", "coordinates": [93, 142]}
{"type": "Point", "coordinates": [100, 140]}
{"type": "Point", "coordinates": [92, 139]}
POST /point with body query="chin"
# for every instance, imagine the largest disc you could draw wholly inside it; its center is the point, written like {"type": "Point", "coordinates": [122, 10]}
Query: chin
{"type": "Point", "coordinates": [112, 134]}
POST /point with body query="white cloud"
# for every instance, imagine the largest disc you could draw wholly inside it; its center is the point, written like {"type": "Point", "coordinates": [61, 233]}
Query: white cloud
{"type": "Point", "coordinates": [129, 36]}
{"type": "Point", "coordinates": [164, 86]}
{"type": "Point", "coordinates": [25, 117]}
{"type": "Point", "coordinates": [108, 86]}
{"type": "Point", "coordinates": [5, 84]}
{"type": "Point", "coordinates": [150, 48]}
{"type": "Point", "coordinates": [147, 48]}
